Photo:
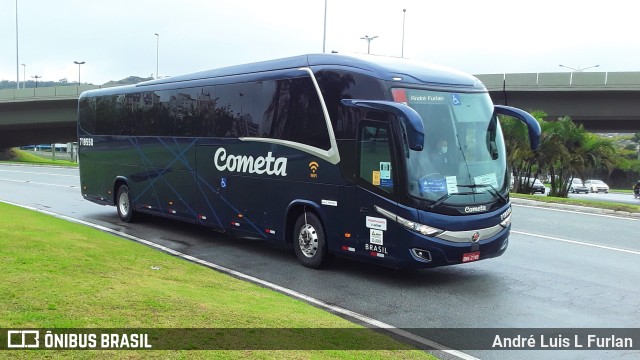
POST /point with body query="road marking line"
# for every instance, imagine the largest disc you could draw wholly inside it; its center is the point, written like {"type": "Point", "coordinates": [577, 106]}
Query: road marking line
{"type": "Point", "coordinates": [37, 173]}
{"type": "Point", "coordinates": [332, 308]}
{"type": "Point", "coordinates": [38, 183]}
{"type": "Point", "coordinates": [576, 212]}
{"type": "Point", "coordinates": [577, 242]}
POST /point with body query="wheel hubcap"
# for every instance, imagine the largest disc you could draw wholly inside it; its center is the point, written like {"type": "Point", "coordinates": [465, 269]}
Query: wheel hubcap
{"type": "Point", "coordinates": [308, 240]}
{"type": "Point", "coordinates": [124, 204]}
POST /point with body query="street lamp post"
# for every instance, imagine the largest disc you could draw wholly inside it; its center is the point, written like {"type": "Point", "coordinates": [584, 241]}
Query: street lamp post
{"type": "Point", "coordinates": [17, 60]}
{"type": "Point", "coordinates": [157, 52]}
{"type": "Point", "coordinates": [24, 76]}
{"type": "Point", "coordinates": [324, 36]}
{"type": "Point", "coordinates": [578, 69]}
{"type": "Point", "coordinates": [404, 15]}
{"type": "Point", "coordinates": [36, 77]}
{"type": "Point", "coordinates": [366, 37]}
{"type": "Point", "coordinates": [78, 63]}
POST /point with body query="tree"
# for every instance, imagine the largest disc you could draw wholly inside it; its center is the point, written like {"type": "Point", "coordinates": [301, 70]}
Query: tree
{"type": "Point", "coordinates": [636, 139]}
{"type": "Point", "coordinates": [568, 151]}
{"type": "Point", "coordinates": [521, 160]}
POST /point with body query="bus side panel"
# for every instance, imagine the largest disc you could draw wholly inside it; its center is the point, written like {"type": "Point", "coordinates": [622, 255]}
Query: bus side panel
{"type": "Point", "coordinates": [157, 170]}
{"type": "Point", "coordinates": [92, 178]}
{"type": "Point", "coordinates": [248, 186]}
{"type": "Point", "coordinates": [323, 199]}
{"type": "Point", "coordinates": [213, 210]}
{"type": "Point", "coordinates": [248, 204]}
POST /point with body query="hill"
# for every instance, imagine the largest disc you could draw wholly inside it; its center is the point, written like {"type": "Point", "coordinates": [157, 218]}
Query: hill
{"type": "Point", "coordinates": [131, 80]}
{"type": "Point", "coordinates": [6, 84]}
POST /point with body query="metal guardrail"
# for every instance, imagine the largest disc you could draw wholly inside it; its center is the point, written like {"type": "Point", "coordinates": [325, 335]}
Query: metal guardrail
{"type": "Point", "coordinates": [570, 81]}
{"type": "Point", "coordinates": [57, 92]}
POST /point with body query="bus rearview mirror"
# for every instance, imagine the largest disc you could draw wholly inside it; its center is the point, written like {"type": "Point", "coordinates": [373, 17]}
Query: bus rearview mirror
{"type": "Point", "coordinates": [525, 117]}
{"type": "Point", "coordinates": [409, 118]}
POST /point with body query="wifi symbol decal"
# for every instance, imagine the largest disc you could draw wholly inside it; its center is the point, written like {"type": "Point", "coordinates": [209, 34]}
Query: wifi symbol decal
{"type": "Point", "coordinates": [314, 168]}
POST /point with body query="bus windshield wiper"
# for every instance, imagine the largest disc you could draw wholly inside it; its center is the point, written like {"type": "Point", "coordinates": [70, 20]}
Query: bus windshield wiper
{"type": "Point", "coordinates": [491, 190]}
{"type": "Point", "coordinates": [444, 197]}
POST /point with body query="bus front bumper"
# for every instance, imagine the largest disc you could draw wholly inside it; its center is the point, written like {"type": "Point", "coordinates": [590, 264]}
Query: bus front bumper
{"type": "Point", "coordinates": [433, 252]}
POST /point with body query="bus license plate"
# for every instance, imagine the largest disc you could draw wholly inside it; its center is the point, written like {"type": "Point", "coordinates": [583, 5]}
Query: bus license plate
{"type": "Point", "coordinates": [472, 256]}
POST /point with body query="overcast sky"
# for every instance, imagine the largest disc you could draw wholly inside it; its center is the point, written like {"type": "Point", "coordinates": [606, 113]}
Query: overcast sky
{"type": "Point", "coordinates": [116, 37]}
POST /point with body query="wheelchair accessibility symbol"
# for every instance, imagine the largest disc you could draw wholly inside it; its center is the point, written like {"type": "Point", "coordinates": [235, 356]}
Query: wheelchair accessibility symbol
{"type": "Point", "coordinates": [455, 99]}
{"type": "Point", "coordinates": [223, 183]}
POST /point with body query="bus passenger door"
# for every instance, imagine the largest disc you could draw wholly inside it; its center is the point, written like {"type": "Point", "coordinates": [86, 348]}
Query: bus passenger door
{"type": "Point", "coordinates": [377, 187]}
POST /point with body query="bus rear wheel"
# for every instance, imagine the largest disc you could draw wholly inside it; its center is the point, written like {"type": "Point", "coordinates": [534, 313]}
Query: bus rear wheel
{"type": "Point", "coordinates": [124, 204]}
{"type": "Point", "coordinates": [309, 241]}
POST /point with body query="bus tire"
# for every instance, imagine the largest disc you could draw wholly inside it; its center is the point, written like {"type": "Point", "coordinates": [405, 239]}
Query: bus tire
{"type": "Point", "coordinates": [124, 204]}
{"type": "Point", "coordinates": [309, 241]}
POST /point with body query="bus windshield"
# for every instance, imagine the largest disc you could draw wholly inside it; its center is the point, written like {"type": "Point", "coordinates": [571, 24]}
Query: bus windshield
{"type": "Point", "coordinates": [464, 157]}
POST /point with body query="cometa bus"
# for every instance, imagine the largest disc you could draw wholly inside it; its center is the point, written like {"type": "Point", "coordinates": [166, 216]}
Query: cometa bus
{"type": "Point", "coordinates": [384, 160]}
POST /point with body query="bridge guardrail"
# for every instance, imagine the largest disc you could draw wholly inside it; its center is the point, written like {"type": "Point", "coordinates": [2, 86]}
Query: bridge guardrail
{"type": "Point", "coordinates": [570, 81]}
{"type": "Point", "coordinates": [44, 93]}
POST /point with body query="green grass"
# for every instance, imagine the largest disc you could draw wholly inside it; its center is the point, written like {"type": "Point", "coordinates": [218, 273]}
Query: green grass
{"type": "Point", "coordinates": [580, 202]}
{"type": "Point", "coordinates": [622, 191]}
{"type": "Point", "coordinates": [57, 274]}
{"type": "Point", "coordinates": [23, 157]}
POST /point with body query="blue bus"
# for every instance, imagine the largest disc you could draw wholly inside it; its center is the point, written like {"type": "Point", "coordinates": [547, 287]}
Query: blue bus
{"type": "Point", "coordinates": [384, 160]}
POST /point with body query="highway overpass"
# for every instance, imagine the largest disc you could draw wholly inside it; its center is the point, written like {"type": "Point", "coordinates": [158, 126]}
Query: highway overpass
{"type": "Point", "coordinates": [39, 115]}
{"type": "Point", "coordinates": [601, 101]}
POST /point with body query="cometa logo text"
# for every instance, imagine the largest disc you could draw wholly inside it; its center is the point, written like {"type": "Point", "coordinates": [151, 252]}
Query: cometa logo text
{"type": "Point", "coordinates": [247, 164]}
{"type": "Point", "coordinates": [471, 209]}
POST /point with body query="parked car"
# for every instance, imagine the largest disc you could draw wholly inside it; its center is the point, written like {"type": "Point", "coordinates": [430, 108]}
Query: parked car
{"type": "Point", "coordinates": [538, 187]}
{"type": "Point", "coordinates": [577, 186]}
{"type": "Point", "coordinates": [597, 186]}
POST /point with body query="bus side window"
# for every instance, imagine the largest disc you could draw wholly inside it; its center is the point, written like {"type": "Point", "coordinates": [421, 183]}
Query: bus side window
{"type": "Point", "coordinates": [87, 114]}
{"type": "Point", "coordinates": [374, 153]}
{"type": "Point", "coordinates": [106, 115]}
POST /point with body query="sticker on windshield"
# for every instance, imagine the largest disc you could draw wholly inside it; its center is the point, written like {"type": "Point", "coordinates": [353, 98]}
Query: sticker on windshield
{"type": "Point", "coordinates": [455, 99]}
{"type": "Point", "coordinates": [375, 178]}
{"type": "Point", "coordinates": [385, 174]}
{"type": "Point", "coordinates": [385, 170]}
{"type": "Point", "coordinates": [433, 185]}
{"type": "Point", "coordinates": [487, 179]}
{"type": "Point", "coordinates": [452, 185]}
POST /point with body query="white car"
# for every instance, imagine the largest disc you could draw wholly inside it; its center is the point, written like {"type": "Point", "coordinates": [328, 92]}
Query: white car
{"type": "Point", "coordinates": [597, 186]}
{"type": "Point", "coordinates": [577, 186]}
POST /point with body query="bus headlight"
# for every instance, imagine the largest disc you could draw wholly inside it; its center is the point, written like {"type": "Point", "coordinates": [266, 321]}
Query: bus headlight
{"type": "Point", "coordinates": [505, 218]}
{"type": "Point", "coordinates": [428, 230]}
{"type": "Point", "coordinates": [506, 222]}
{"type": "Point", "coordinates": [411, 225]}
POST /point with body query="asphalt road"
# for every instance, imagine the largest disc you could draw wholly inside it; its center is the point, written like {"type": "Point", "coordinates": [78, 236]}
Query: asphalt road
{"type": "Point", "coordinates": [563, 269]}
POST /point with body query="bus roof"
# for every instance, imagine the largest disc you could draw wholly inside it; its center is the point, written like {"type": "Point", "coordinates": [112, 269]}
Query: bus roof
{"type": "Point", "coordinates": [401, 70]}
{"type": "Point", "coordinates": [382, 67]}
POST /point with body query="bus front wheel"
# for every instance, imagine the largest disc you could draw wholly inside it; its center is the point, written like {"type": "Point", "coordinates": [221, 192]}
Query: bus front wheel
{"type": "Point", "coordinates": [124, 204]}
{"type": "Point", "coordinates": [309, 241]}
